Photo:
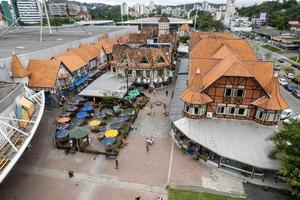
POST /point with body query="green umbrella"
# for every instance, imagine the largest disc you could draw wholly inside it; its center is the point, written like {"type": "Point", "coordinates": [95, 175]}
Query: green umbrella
{"type": "Point", "coordinates": [79, 132]}
{"type": "Point", "coordinates": [133, 93]}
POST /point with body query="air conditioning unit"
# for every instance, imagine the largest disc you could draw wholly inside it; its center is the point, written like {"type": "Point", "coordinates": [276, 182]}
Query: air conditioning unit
{"type": "Point", "coordinates": [209, 115]}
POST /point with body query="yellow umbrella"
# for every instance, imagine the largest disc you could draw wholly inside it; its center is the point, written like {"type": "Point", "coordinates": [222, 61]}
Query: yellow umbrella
{"type": "Point", "coordinates": [111, 133]}
{"type": "Point", "coordinates": [94, 123]}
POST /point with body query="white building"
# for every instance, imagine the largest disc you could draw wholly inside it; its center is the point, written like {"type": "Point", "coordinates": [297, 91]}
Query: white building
{"type": "Point", "coordinates": [124, 8]}
{"type": "Point", "coordinates": [29, 11]}
{"type": "Point", "coordinates": [230, 7]}
{"type": "Point", "coordinates": [176, 12]}
{"type": "Point", "coordinates": [151, 6]}
{"type": "Point", "coordinates": [240, 24]}
{"type": "Point", "coordinates": [167, 11]}
{"type": "Point", "coordinates": [73, 9]}
{"type": "Point", "coordinates": [139, 9]}
{"type": "Point", "coordinates": [58, 9]}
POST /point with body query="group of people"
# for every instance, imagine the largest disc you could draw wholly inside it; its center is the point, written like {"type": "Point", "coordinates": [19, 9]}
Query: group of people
{"type": "Point", "coordinates": [149, 141]}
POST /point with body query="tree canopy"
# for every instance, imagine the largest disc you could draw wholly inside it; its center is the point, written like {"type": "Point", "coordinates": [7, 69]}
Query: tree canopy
{"type": "Point", "coordinates": [106, 13]}
{"type": "Point", "coordinates": [205, 21]}
{"type": "Point", "coordinates": [287, 152]}
{"type": "Point", "coordinates": [278, 14]}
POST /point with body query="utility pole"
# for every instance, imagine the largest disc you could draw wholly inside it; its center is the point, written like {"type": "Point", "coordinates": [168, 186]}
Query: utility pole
{"type": "Point", "coordinates": [196, 19]}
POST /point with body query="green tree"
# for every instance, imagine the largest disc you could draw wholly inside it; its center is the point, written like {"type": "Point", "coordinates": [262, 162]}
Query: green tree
{"type": "Point", "coordinates": [204, 20]}
{"type": "Point", "coordinates": [287, 151]}
{"type": "Point", "coordinates": [289, 69]}
{"type": "Point", "coordinates": [219, 26]}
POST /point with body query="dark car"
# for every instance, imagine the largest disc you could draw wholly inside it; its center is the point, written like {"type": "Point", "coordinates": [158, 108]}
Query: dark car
{"type": "Point", "coordinates": [289, 87]}
{"type": "Point", "coordinates": [296, 93]}
{"type": "Point", "coordinates": [280, 60]}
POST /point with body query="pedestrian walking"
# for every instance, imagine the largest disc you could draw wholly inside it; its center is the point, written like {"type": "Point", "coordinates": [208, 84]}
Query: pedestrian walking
{"type": "Point", "coordinates": [147, 147]}
{"type": "Point", "coordinates": [117, 164]}
{"type": "Point", "coordinates": [167, 92]}
{"type": "Point", "coordinates": [137, 198]}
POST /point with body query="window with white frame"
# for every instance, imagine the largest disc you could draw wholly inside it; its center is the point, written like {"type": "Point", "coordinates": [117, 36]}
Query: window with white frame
{"type": "Point", "coordinates": [230, 110]}
{"type": "Point", "coordinates": [228, 91]}
{"type": "Point", "coordinates": [242, 111]}
{"type": "Point", "coordinates": [186, 107]}
{"type": "Point", "coordinates": [272, 117]}
{"type": "Point", "coordinates": [148, 73]}
{"type": "Point", "coordinates": [259, 113]}
{"type": "Point", "coordinates": [221, 109]}
{"type": "Point", "coordinates": [240, 92]}
{"type": "Point", "coordinates": [139, 72]}
{"type": "Point", "coordinates": [196, 111]}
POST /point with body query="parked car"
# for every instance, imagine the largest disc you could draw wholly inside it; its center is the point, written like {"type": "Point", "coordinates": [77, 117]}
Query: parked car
{"type": "Point", "coordinates": [294, 117]}
{"type": "Point", "coordinates": [290, 75]}
{"type": "Point", "coordinates": [283, 81]}
{"type": "Point", "coordinates": [286, 113]}
{"type": "Point", "coordinates": [296, 93]}
{"type": "Point", "coordinates": [289, 87]}
{"type": "Point", "coordinates": [277, 67]}
{"type": "Point", "coordinates": [280, 60]}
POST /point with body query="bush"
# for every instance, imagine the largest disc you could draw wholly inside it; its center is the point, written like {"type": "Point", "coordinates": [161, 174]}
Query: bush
{"type": "Point", "coordinates": [288, 69]}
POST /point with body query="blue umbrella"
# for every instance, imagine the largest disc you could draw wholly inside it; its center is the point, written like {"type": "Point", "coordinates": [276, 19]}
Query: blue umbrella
{"type": "Point", "coordinates": [62, 126]}
{"type": "Point", "coordinates": [108, 141]}
{"type": "Point", "coordinates": [81, 115]}
{"type": "Point", "coordinates": [87, 108]}
{"type": "Point", "coordinates": [62, 133]}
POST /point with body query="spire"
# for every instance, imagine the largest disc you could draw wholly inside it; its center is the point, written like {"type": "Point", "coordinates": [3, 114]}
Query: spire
{"type": "Point", "coordinates": [17, 69]}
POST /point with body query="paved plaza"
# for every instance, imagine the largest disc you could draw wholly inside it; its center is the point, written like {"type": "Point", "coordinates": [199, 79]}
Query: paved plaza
{"type": "Point", "coordinates": [41, 173]}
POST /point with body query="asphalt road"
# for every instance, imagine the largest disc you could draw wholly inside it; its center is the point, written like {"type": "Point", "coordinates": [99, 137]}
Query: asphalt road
{"type": "Point", "coordinates": [293, 102]}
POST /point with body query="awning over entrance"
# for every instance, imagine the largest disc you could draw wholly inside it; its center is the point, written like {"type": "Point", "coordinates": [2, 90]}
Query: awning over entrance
{"type": "Point", "coordinates": [242, 141]}
{"type": "Point", "coordinates": [107, 85]}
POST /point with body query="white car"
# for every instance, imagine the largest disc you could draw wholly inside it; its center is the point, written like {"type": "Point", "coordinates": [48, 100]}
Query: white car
{"type": "Point", "coordinates": [290, 75]}
{"type": "Point", "coordinates": [286, 114]}
{"type": "Point", "coordinates": [296, 117]}
{"type": "Point", "coordinates": [283, 81]}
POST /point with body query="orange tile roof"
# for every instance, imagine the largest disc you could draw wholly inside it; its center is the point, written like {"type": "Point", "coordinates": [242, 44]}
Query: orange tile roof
{"type": "Point", "coordinates": [220, 47]}
{"type": "Point", "coordinates": [135, 56]}
{"type": "Point", "coordinates": [107, 44]}
{"type": "Point", "coordinates": [192, 94]}
{"type": "Point", "coordinates": [185, 27]}
{"type": "Point", "coordinates": [274, 101]}
{"type": "Point", "coordinates": [91, 47]}
{"type": "Point", "coordinates": [197, 36]}
{"type": "Point", "coordinates": [83, 53]}
{"type": "Point", "coordinates": [71, 61]}
{"type": "Point", "coordinates": [123, 39]}
{"type": "Point", "coordinates": [43, 73]}
{"type": "Point", "coordinates": [138, 38]}
{"type": "Point", "coordinates": [17, 69]}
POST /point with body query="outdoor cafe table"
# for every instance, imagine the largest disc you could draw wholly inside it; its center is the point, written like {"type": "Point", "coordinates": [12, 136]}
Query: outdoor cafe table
{"type": "Point", "coordinates": [99, 115]}
{"type": "Point", "coordinates": [108, 141]}
{"type": "Point", "coordinates": [122, 119]}
{"type": "Point", "coordinates": [101, 128]}
{"type": "Point", "coordinates": [77, 122]}
{"type": "Point", "coordinates": [127, 112]}
{"type": "Point", "coordinates": [71, 108]}
{"type": "Point", "coordinates": [117, 125]}
{"type": "Point", "coordinates": [61, 134]}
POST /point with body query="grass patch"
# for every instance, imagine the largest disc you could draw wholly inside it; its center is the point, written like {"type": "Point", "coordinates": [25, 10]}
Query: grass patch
{"type": "Point", "coordinates": [295, 59]}
{"type": "Point", "coordinates": [177, 194]}
{"type": "Point", "coordinates": [271, 48]}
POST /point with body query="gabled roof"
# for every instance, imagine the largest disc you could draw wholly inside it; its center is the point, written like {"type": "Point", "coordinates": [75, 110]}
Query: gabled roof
{"type": "Point", "coordinates": [17, 69]}
{"type": "Point", "coordinates": [123, 39]}
{"type": "Point", "coordinates": [135, 56]}
{"type": "Point", "coordinates": [106, 44]}
{"type": "Point", "coordinates": [163, 18]}
{"type": "Point", "coordinates": [91, 47]}
{"type": "Point", "coordinates": [43, 73]}
{"type": "Point", "coordinates": [193, 94]}
{"type": "Point", "coordinates": [138, 38]}
{"type": "Point", "coordinates": [197, 36]}
{"type": "Point", "coordinates": [215, 47]}
{"type": "Point", "coordinates": [275, 101]}
{"type": "Point", "coordinates": [185, 27]}
{"type": "Point", "coordinates": [71, 61]}
{"type": "Point", "coordinates": [83, 53]}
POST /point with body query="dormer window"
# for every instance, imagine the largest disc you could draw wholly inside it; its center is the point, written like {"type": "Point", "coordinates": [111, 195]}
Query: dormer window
{"type": "Point", "coordinates": [125, 60]}
{"type": "Point", "coordinates": [160, 60]}
{"type": "Point", "coordinates": [144, 60]}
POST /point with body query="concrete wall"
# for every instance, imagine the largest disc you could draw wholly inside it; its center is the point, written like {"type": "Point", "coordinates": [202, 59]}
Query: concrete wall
{"type": "Point", "coordinates": [5, 63]}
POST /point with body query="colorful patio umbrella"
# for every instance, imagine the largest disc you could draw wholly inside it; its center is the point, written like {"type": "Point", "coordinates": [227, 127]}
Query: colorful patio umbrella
{"type": "Point", "coordinates": [94, 123]}
{"type": "Point", "coordinates": [79, 132]}
{"type": "Point", "coordinates": [62, 126]}
{"type": "Point", "coordinates": [62, 133]}
{"type": "Point", "coordinates": [111, 133]}
{"type": "Point", "coordinates": [82, 115]}
{"type": "Point", "coordinates": [108, 141]}
{"type": "Point", "coordinates": [76, 122]}
{"type": "Point", "coordinates": [133, 93]}
{"type": "Point", "coordinates": [63, 120]}
{"type": "Point", "coordinates": [87, 108]}
{"type": "Point", "coordinates": [117, 125]}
